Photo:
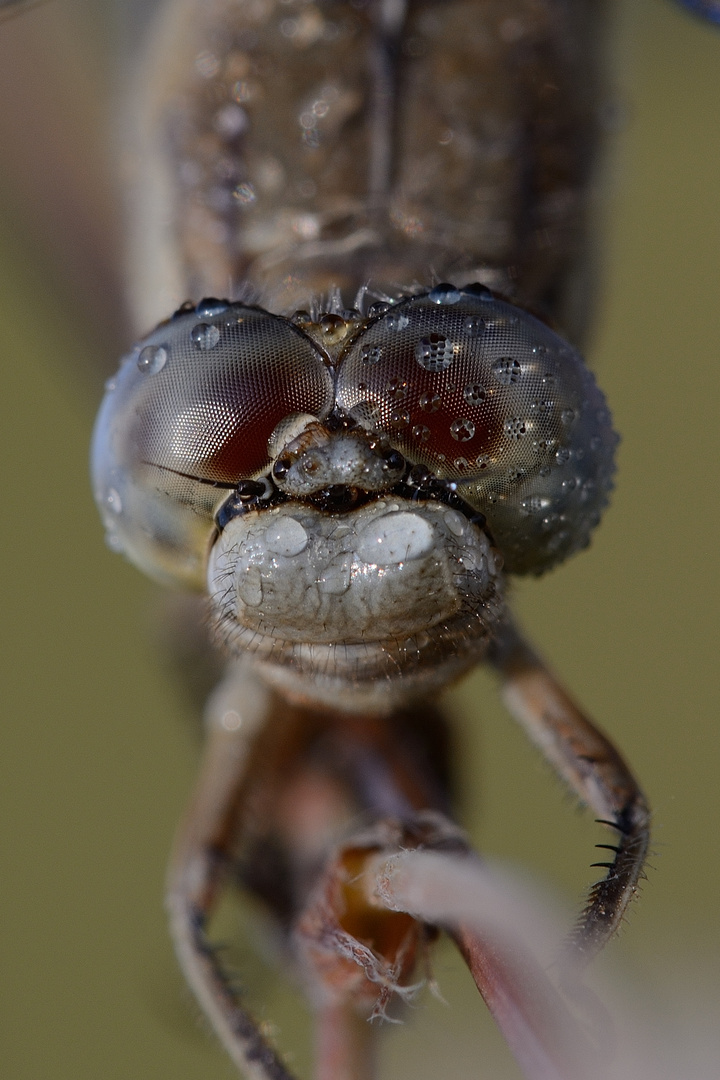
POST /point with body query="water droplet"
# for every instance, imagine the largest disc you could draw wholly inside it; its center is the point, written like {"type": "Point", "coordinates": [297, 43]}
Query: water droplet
{"type": "Point", "coordinates": [394, 538]}
{"type": "Point", "coordinates": [570, 484]}
{"type": "Point", "coordinates": [210, 307]}
{"type": "Point", "coordinates": [534, 505]}
{"type": "Point", "coordinates": [474, 325]}
{"type": "Point", "coordinates": [378, 308]}
{"type": "Point", "coordinates": [286, 537]}
{"type": "Point", "coordinates": [393, 461]}
{"type": "Point", "coordinates": [230, 121]}
{"type": "Point", "coordinates": [567, 416]}
{"type": "Point", "coordinates": [204, 335]}
{"type": "Point", "coordinates": [482, 461]}
{"type": "Point", "coordinates": [462, 430]}
{"type": "Point", "coordinates": [514, 427]}
{"type": "Point", "coordinates": [476, 289]}
{"type": "Point", "coordinates": [434, 352]}
{"type": "Point", "coordinates": [455, 522]}
{"type": "Point", "coordinates": [595, 443]}
{"type": "Point", "coordinates": [371, 354]}
{"type": "Point", "coordinates": [418, 475]}
{"type": "Point", "coordinates": [461, 464]}
{"type": "Point", "coordinates": [114, 543]}
{"type": "Point", "coordinates": [152, 359]}
{"type": "Point", "coordinates": [421, 433]}
{"type": "Point", "coordinates": [113, 501]}
{"type": "Point", "coordinates": [242, 91]}
{"type": "Point", "coordinates": [231, 720]}
{"type": "Point", "coordinates": [429, 402]}
{"type": "Point", "coordinates": [542, 447]}
{"type": "Point", "coordinates": [396, 320]}
{"type": "Point", "coordinates": [301, 317]}
{"type": "Point", "coordinates": [250, 587]}
{"type": "Point", "coordinates": [110, 385]}
{"type": "Point", "coordinates": [474, 393]}
{"type": "Point", "coordinates": [562, 455]}
{"type": "Point", "coordinates": [333, 327]}
{"type": "Point", "coordinates": [506, 370]}
{"type": "Point", "coordinates": [492, 497]}
{"type": "Point", "coordinates": [399, 418]}
{"type": "Point", "coordinates": [306, 226]}
{"type": "Point", "coordinates": [244, 194]}
{"type": "Point", "coordinates": [397, 389]}
{"type": "Point", "coordinates": [444, 294]}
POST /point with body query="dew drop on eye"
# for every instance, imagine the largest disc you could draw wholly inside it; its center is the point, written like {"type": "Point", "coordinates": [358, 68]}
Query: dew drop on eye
{"type": "Point", "coordinates": [205, 335]}
{"type": "Point", "coordinates": [371, 354]}
{"type": "Point", "coordinates": [189, 420]}
{"type": "Point", "coordinates": [506, 370]}
{"type": "Point", "coordinates": [434, 352]}
{"type": "Point", "coordinates": [462, 430]}
{"type": "Point", "coordinates": [152, 359]}
{"type": "Point", "coordinates": [474, 394]}
{"type": "Point", "coordinates": [479, 372]}
{"type": "Point", "coordinates": [444, 294]}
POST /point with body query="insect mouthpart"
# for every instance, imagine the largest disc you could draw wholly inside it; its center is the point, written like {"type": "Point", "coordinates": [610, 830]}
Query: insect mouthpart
{"type": "Point", "coordinates": [322, 459]}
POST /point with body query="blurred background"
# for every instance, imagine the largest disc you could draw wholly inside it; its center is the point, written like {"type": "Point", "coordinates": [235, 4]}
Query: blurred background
{"type": "Point", "coordinates": [98, 746]}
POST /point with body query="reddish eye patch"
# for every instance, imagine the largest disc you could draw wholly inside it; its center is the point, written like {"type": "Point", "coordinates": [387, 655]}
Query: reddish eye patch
{"type": "Point", "coordinates": [485, 395]}
{"type": "Point", "coordinates": [444, 380]}
{"type": "Point", "coordinates": [422, 389]}
{"type": "Point", "coordinates": [194, 406]}
{"type": "Point", "coordinates": [224, 387]}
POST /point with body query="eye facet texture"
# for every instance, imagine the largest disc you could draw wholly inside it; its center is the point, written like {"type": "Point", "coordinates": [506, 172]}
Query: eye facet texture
{"type": "Point", "coordinates": [189, 415]}
{"type": "Point", "coordinates": [478, 391]}
{"type": "Point", "coordinates": [487, 396]}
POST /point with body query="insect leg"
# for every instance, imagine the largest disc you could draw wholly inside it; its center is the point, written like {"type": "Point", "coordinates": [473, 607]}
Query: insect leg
{"type": "Point", "coordinates": [197, 872]}
{"type": "Point", "coordinates": [593, 768]}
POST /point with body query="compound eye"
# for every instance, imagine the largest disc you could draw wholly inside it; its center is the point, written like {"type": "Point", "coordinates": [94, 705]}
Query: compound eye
{"type": "Point", "coordinates": [487, 396]}
{"type": "Point", "coordinates": [187, 417]}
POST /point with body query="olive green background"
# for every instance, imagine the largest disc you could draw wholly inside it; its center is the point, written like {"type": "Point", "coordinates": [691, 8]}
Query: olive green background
{"type": "Point", "coordinates": [98, 749]}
